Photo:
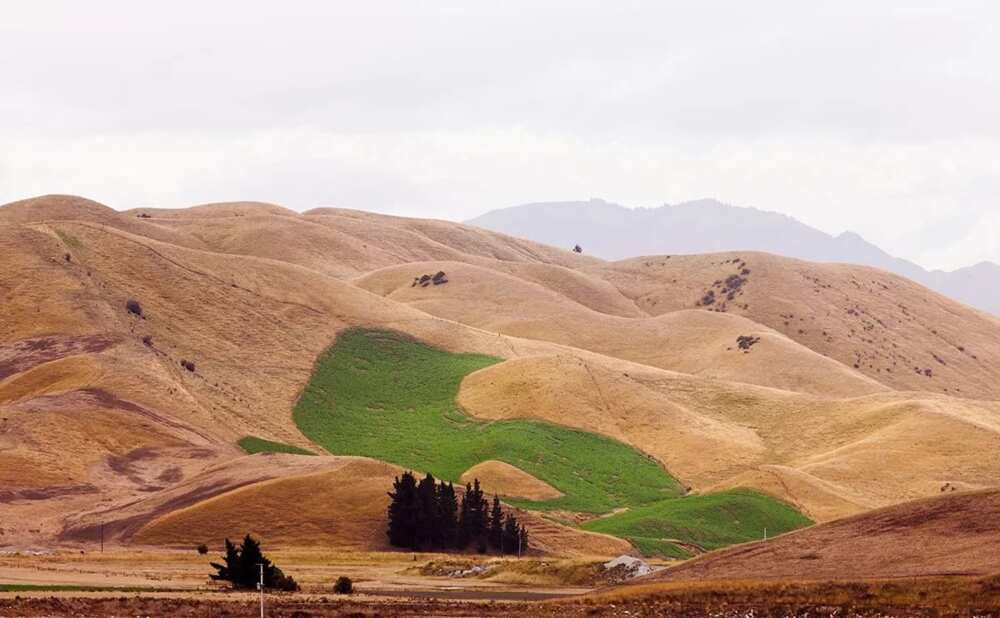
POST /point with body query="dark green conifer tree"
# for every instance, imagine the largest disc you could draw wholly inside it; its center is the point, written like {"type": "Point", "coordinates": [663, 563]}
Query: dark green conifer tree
{"type": "Point", "coordinates": [477, 512]}
{"type": "Point", "coordinates": [448, 515]}
{"type": "Point", "coordinates": [496, 525]}
{"type": "Point", "coordinates": [464, 519]}
{"type": "Point", "coordinates": [403, 512]}
{"type": "Point", "coordinates": [227, 571]}
{"type": "Point", "coordinates": [428, 517]}
{"type": "Point", "coordinates": [511, 534]}
{"type": "Point", "coordinates": [243, 565]}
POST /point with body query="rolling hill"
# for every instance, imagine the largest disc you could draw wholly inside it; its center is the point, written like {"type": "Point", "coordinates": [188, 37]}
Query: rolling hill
{"type": "Point", "coordinates": [615, 232]}
{"type": "Point", "coordinates": [833, 389]}
{"type": "Point", "coordinates": [952, 534]}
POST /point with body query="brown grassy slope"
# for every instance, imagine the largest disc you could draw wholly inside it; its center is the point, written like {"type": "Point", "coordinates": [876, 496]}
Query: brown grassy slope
{"type": "Point", "coordinates": [692, 342]}
{"type": "Point", "coordinates": [69, 352]}
{"type": "Point", "coordinates": [109, 418]}
{"type": "Point", "coordinates": [499, 477]}
{"type": "Point", "coordinates": [891, 329]}
{"type": "Point", "coordinates": [343, 507]}
{"type": "Point", "coordinates": [343, 243]}
{"type": "Point", "coordinates": [951, 534]}
{"type": "Point", "coordinates": [831, 457]}
{"type": "Point", "coordinates": [75, 208]}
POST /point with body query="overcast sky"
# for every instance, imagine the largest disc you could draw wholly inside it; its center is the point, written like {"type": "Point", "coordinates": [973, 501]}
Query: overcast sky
{"type": "Point", "coordinates": [864, 116]}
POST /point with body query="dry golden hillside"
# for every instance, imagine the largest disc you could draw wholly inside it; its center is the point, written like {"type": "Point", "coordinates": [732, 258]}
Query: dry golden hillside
{"type": "Point", "coordinates": [891, 329]}
{"type": "Point", "coordinates": [95, 398]}
{"type": "Point", "coordinates": [829, 456]}
{"type": "Point", "coordinates": [327, 513]}
{"type": "Point", "coordinates": [694, 342]}
{"type": "Point", "coordinates": [100, 422]}
{"type": "Point", "coordinates": [953, 534]}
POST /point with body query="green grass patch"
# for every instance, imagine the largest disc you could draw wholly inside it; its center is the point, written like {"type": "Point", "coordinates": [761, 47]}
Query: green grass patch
{"type": "Point", "coordinates": [382, 394]}
{"type": "Point", "coordinates": [711, 521]}
{"type": "Point", "coordinates": [253, 444]}
{"type": "Point", "coordinates": [658, 548]}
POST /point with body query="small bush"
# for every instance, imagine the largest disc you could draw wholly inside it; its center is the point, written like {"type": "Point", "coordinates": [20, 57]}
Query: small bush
{"type": "Point", "coordinates": [187, 365]}
{"type": "Point", "coordinates": [133, 307]}
{"type": "Point", "coordinates": [147, 341]}
{"type": "Point", "coordinates": [285, 583]}
{"type": "Point", "coordinates": [203, 549]}
{"type": "Point", "coordinates": [344, 585]}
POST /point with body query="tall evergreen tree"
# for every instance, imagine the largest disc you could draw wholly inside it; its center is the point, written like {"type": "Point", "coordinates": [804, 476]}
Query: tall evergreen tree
{"type": "Point", "coordinates": [428, 518]}
{"type": "Point", "coordinates": [250, 559]}
{"type": "Point", "coordinates": [403, 512]}
{"type": "Point", "coordinates": [523, 541]}
{"type": "Point", "coordinates": [227, 571]}
{"type": "Point", "coordinates": [448, 515]}
{"type": "Point", "coordinates": [464, 519]}
{"type": "Point", "coordinates": [511, 534]}
{"type": "Point", "coordinates": [496, 525]}
{"type": "Point", "coordinates": [477, 513]}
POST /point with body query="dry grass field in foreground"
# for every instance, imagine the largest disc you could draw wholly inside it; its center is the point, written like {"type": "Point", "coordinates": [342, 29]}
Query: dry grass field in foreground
{"type": "Point", "coordinates": [938, 598]}
{"type": "Point", "coordinates": [130, 582]}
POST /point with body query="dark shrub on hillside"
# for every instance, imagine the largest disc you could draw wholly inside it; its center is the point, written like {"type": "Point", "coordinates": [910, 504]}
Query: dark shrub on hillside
{"type": "Point", "coordinates": [187, 365]}
{"type": "Point", "coordinates": [147, 340]}
{"type": "Point", "coordinates": [133, 307]}
{"type": "Point", "coordinates": [203, 549]}
{"type": "Point", "coordinates": [344, 585]}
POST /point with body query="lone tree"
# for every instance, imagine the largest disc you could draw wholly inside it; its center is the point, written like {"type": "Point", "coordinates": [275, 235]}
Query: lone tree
{"type": "Point", "coordinates": [577, 249]}
{"type": "Point", "coordinates": [242, 567]}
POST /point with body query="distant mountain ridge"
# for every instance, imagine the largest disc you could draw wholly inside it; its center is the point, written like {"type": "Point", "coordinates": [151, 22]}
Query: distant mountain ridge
{"type": "Point", "coordinates": [615, 232]}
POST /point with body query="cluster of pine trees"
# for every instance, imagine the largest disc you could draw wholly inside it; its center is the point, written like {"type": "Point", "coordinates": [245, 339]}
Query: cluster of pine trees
{"type": "Point", "coordinates": [242, 567]}
{"type": "Point", "coordinates": [426, 516]}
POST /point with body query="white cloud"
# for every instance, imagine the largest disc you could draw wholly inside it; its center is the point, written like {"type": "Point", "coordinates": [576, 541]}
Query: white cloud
{"type": "Point", "coordinates": [873, 117]}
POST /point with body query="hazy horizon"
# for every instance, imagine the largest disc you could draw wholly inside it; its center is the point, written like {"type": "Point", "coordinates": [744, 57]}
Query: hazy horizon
{"type": "Point", "coordinates": [875, 119]}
